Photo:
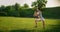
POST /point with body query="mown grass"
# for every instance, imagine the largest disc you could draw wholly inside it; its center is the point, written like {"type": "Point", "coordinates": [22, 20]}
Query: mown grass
{"type": "Point", "coordinates": [18, 24]}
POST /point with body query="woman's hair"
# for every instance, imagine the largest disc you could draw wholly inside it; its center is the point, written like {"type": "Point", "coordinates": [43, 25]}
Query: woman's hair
{"type": "Point", "coordinates": [38, 10]}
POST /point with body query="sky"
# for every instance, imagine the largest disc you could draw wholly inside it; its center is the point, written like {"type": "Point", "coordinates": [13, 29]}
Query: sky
{"type": "Point", "coordinates": [50, 3]}
{"type": "Point", "coordinates": [53, 3]}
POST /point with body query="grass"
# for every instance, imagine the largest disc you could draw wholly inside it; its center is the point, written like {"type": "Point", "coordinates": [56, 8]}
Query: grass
{"type": "Point", "coordinates": [18, 24]}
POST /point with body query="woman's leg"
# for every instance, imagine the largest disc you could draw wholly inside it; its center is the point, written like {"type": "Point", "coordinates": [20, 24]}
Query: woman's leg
{"type": "Point", "coordinates": [43, 23]}
{"type": "Point", "coordinates": [36, 22]}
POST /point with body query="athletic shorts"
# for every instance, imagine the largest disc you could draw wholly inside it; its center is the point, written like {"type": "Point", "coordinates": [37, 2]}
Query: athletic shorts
{"type": "Point", "coordinates": [41, 19]}
{"type": "Point", "coordinates": [36, 17]}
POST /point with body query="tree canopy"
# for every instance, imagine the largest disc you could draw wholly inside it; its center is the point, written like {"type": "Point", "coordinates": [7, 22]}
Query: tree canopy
{"type": "Point", "coordinates": [39, 3]}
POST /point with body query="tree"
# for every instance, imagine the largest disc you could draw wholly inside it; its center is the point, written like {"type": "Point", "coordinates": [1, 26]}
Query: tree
{"type": "Point", "coordinates": [26, 6]}
{"type": "Point", "coordinates": [34, 4]}
{"type": "Point", "coordinates": [17, 6]}
{"type": "Point", "coordinates": [2, 8]}
{"type": "Point", "coordinates": [40, 4]}
{"type": "Point", "coordinates": [8, 10]}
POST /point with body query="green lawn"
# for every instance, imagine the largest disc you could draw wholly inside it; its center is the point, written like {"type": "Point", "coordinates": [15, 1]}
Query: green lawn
{"type": "Point", "coordinates": [18, 24]}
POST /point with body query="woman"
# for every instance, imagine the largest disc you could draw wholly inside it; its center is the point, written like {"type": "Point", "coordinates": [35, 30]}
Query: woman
{"type": "Point", "coordinates": [38, 17]}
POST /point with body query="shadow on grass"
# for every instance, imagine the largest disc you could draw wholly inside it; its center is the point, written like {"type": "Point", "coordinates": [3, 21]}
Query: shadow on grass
{"type": "Point", "coordinates": [22, 30]}
{"type": "Point", "coordinates": [55, 28]}
{"type": "Point", "coordinates": [1, 31]}
{"type": "Point", "coordinates": [26, 31]}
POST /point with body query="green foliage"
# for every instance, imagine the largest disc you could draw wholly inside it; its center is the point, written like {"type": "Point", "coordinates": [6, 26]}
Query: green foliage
{"type": "Point", "coordinates": [19, 11]}
{"type": "Point", "coordinates": [52, 12]}
{"type": "Point", "coordinates": [25, 6]}
{"type": "Point", "coordinates": [2, 8]}
{"type": "Point", "coordinates": [34, 4]}
{"type": "Point", "coordinates": [39, 3]}
{"type": "Point", "coordinates": [17, 6]}
{"type": "Point", "coordinates": [26, 13]}
{"type": "Point", "coordinates": [16, 10]}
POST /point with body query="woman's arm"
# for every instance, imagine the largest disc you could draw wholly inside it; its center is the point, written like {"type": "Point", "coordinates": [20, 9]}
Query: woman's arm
{"type": "Point", "coordinates": [34, 14]}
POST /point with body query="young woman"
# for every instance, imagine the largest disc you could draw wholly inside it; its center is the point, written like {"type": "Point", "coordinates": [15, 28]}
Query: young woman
{"type": "Point", "coordinates": [38, 17]}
